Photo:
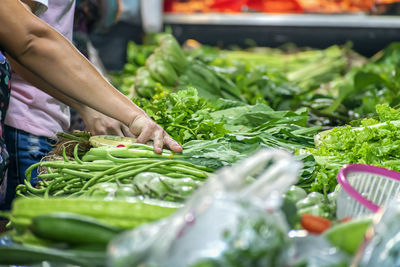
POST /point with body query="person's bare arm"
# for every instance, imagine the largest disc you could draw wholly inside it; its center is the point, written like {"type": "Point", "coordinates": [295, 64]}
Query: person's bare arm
{"type": "Point", "coordinates": [47, 54]}
{"type": "Point", "coordinates": [96, 122]}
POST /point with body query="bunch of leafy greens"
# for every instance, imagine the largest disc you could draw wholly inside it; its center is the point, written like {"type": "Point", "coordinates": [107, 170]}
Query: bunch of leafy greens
{"type": "Point", "coordinates": [260, 123]}
{"type": "Point", "coordinates": [251, 128]}
{"type": "Point", "coordinates": [262, 84]}
{"type": "Point", "coordinates": [260, 126]}
{"type": "Point", "coordinates": [289, 80]}
{"type": "Point", "coordinates": [219, 152]}
{"type": "Point", "coordinates": [373, 83]}
{"type": "Point", "coordinates": [184, 115]}
{"type": "Point", "coordinates": [376, 142]}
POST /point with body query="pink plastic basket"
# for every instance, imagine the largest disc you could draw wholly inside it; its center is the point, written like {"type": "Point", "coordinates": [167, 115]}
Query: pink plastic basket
{"type": "Point", "coordinates": [365, 189]}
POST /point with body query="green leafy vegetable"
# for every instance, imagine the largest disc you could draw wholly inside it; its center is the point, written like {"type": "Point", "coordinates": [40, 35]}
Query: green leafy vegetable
{"type": "Point", "coordinates": [375, 143]}
{"type": "Point", "coordinates": [185, 116]}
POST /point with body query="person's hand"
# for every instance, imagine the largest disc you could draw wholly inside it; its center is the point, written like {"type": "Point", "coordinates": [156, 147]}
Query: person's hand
{"type": "Point", "coordinates": [146, 129]}
{"type": "Point", "coordinates": [100, 124]}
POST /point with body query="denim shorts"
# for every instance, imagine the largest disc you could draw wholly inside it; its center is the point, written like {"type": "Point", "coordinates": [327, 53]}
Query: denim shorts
{"type": "Point", "coordinates": [24, 149]}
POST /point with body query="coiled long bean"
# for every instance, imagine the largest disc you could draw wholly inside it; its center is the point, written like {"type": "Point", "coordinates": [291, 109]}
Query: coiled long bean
{"type": "Point", "coordinates": [75, 176]}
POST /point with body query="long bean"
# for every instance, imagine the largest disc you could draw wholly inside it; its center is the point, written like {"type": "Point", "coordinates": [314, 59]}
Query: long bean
{"type": "Point", "coordinates": [72, 182]}
{"type": "Point", "coordinates": [48, 189]}
{"type": "Point", "coordinates": [145, 168]}
{"type": "Point", "coordinates": [60, 182]}
{"type": "Point", "coordinates": [134, 153]}
{"type": "Point", "coordinates": [145, 147]}
{"type": "Point", "coordinates": [31, 188]}
{"type": "Point", "coordinates": [64, 165]}
{"type": "Point", "coordinates": [124, 160]}
{"type": "Point", "coordinates": [75, 176]}
{"type": "Point", "coordinates": [49, 175]}
{"type": "Point", "coordinates": [126, 153]}
{"type": "Point", "coordinates": [196, 173]}
{"type": "Point", "coordinates": [81, 174]}
{"type": "Point", "coordinates": [76, 157]}
{"type": "Point", "coordinates": [109, 171]}
{"type": "Point", "coordinates": [30, 194]}
{"type": "Point", "coordinates": [203, 168]}
{"type": "Point", "coordinates": [179, 175]}
{"type": "Point", "coordinates": [60, 193]}
{"type": "Point", "coordinates": [64, 154]}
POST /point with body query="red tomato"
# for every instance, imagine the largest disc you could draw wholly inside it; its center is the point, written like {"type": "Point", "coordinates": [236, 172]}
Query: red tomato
{"type": "Point", "coordinates": [315, 224]}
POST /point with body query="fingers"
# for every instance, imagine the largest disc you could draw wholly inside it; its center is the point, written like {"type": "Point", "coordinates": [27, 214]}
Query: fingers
{"type": "Point", "coordinates": [172, 144]}
{"type": "Point", "coordinates": [118, 132]}
{"type": "Point", "coordinates": [114, 128]}
{"type": "Point", "coordinates": [147, 130]}
{"type": "Point", "coordinates": [126, 132]}
{"type": "Point", "coordinates": [158, 141]}
{"type": "Point", "coordinates": [105, 126]}
{"type": "Point", "coordinates": [145, 135]}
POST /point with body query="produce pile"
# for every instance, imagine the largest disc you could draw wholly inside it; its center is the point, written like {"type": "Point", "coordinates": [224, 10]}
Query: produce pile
{"type": "Point", "coordinates": [330, 87]}
{"type": "Point", "coordinates": [328, 108]}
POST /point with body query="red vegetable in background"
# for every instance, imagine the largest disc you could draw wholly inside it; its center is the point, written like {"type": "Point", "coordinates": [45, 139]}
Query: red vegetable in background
{"type": "Point", "coordinates": [315, 224]}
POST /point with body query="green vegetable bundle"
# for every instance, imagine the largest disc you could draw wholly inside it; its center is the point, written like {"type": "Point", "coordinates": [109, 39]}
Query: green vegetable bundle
{"type": "Point", "coordinates": [168, 67]}
{"type": "Point", "coordinates": [136, 58]}
{"type": "Point", "coordinates": [364, 86]}
{"type": "Point", "coordinates": [115, 165]}
{"type": "Point", "coordinates": [163, 66]}
{"type": "Point", "coordinates": [209, 82]}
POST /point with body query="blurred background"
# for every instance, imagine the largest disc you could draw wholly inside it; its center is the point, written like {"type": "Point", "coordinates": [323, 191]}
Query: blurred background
{"type": "Point", "coordinates": [370, 25]}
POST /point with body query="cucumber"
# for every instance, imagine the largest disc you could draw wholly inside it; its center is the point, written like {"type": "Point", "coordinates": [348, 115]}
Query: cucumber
{"type": "Point", "coordinates": [348, 236]}
{"type": "Point", "coordinates": [24, 255]}
{"type": "Point", "coordinates": [117, 213]}
{"type": "Point", "coordinates": [72, 229]}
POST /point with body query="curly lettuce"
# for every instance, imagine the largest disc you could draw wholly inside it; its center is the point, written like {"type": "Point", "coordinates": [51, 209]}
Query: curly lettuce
{"type": "Point", "coordinates": [375, 143]}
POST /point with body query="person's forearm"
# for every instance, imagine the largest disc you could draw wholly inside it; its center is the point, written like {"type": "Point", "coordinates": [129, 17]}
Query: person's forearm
{"type": "Point", "coordinates": [95, 122]}
{"type": "Point", "coordinates": [44, 51]}
{"type": "Point", "coordinates": [45, 87]}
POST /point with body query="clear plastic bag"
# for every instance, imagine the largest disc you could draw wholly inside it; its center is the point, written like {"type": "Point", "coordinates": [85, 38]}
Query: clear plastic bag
{"type": "Point", "coordinates": [382, 243]}
{"type": "Point", "coordinates": [226, 221]}
{"type": "Point", "coordinates": [315, 251]}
